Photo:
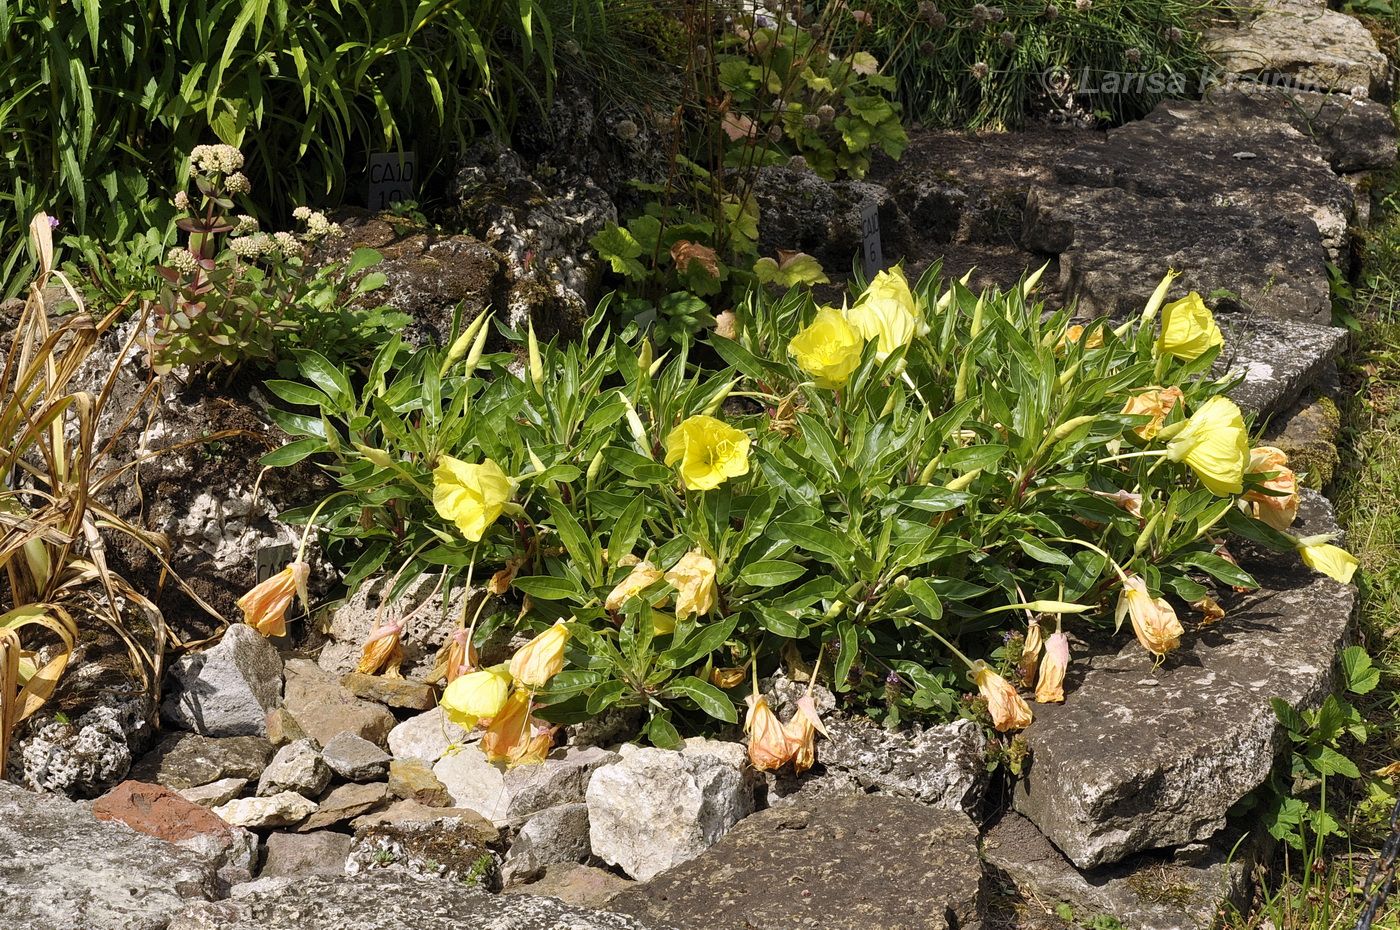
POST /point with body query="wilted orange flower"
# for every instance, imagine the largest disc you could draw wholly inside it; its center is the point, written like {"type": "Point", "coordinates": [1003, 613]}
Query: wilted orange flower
{"type": "Point", "coordinates": [1154, 402]}
{"type": "Point", "coordinates": [801, 733]}
{"type": "Point", "coordinates": [1154, 620]}
{"type": "Point", "coordinates": [1008, 709]}
{"type": "Point", "coordinates": [1050, 689]}
{"type": "Point", "coordinates": [769, 747]}
{"type": "Point", "coordinates": [456, 658]}
{"type": "Point", "coordinates": [643, 575]}
{"type": "Point", "coordinates": [516, 738]}
{"type": "Point", "coordinates": [1211, 611]}
{"type": "Point", "coordinates": [383, 650]}
{"type": "Point", "coordinates": [1075, 333]}
{"type": "Point", "coordinates": [1030, 653]}
{"type": "Point", "coordinates": [265, 605]}
{"type": "Point", "coordinates": [1129, 501]}
{"type": "Point", "coordinates": [726, 677]}
{"type": "Point", "coordinates": [1278, 512]}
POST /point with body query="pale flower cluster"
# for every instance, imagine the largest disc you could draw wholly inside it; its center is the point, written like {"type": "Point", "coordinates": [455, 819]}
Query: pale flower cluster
{"type": "Point", "coordinates": [216, 159]}
{"type": "Point", "coordinates": [182, 260]}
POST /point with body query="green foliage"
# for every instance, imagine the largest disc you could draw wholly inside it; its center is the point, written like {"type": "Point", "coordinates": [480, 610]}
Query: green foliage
{"type": "Point", "coordinates": [944, 495]}
{"type": "Point", "coordinates": [104, 96]}
{"type": "Point", "coordinates": [966, 64]}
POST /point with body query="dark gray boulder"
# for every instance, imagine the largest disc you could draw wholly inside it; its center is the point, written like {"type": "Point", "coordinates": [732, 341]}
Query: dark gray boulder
{"type": "Point", "coordinates": [1278, 359]}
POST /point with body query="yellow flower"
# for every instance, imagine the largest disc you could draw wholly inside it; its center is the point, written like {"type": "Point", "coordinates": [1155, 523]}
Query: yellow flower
{"type": "Point", "coordinates": [829, 349]}
{"type": "Point", "coordinates": [382, 650]}
{"type": "Point", "coordinates": [1154, 620]}
{"type": "Point", "coordinates": [1278, 512]}
{"type": "Point", "coordinates": [1214, 443]}
{"type": "Point", "coordinates": [1050, 689]}
{"type": "Point", "coordinates": [693, 577]}
{"type": "Point", "coordinates": [769, 747]}
{"type": "Point", "coordinates": [539, 660]}
{"type": "Point", "coordinates": [1008, 709]}
{"type": "Point", "coordinates": [472, 496]}
{"type": "Point", "coordinates": [710, 452]}
{"type": "Point", "coordinates": [1188, 329]}
{"type": "Point", "coordinates": [265, 605]}
{"type": "Point", "coordinates": [477, 696]}
{"type": "Point", "coordinates": [801, 733]}
{"type": "Point", "coordinates": [888, 313]}
{"type": "Point", "coordinates": [1333, 561]}
{"type": "Point", "coordinates": [642, 576]}
{"type": "Point", "coordinates": [1154, 402]}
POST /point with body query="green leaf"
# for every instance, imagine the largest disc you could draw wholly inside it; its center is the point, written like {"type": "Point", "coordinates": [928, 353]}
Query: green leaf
{"type": "Point", "coordinates": [317, 369]}
{"type": "Point", "coordinates": [704, 641]}
{"type": "Point", "coordinates": [770, 573]}
{"type": "Point", "coordinates": [1219, 569]}
{"type": "Point", "coordinates": [1360, 675]}
{"type": "Point", "coordinates": [705, 696]}
{"type": "Point", "coordinates": [1041, 552]}
{"type": "Point", "coordinates": [850, 648]}
{"type": "Point", "coordinates": [814, 539]}
{"type": "Point", "coordinates": [621, 250]}
{"type": "Point", "coordinates": [781, 622]}
{"type": "Point", "coordinates": [549, 588]}
{"type": "Point", "coordinates": [605, 696]}
{"type": "Point", "coordinates": [925, 598]}
{"type": "Point", "coordinates": [293, 452]}
{"type": "Point", "coordinates": [294, 392]}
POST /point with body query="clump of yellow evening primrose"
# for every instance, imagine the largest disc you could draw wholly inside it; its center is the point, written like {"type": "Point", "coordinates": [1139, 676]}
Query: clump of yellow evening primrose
{"type": "Point", "coordinates": [1280, 508]}
{"type": "Point", "coordinates": [1154, 621]}
{"type": "Point", "coordinates": [888, 313]}
{"type": "Point", "coordinates": [471, 496]}
{"type": "Point", "coordinates": [709, 452]}
{"type": "Point", "coordinates": [828, 349]}
{"type": "Point", "coordinates": [1213, 442]}
{"type": "Point", "coordinates": [1188, 329]}
{"type": "Point", "coordinates": [265, 605]}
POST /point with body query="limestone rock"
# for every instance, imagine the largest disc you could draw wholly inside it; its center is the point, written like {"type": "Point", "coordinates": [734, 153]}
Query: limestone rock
{"type": "Point", "coordinates": [552, 836]}
{"type": "Point", "coordinates": [425, 737]}
{"type": "Point", "coordinates": [108, 877]}
{"type": "Point", "coordinates": [345, 802]}
{"type": "Point", "coordinates": [228, 689]}
{"type": "Point", "coordinates": [428, 628]}
{"type": "Point", "coordinates": [386, 900]}
{"type": "Point", "coordinates": [81, 759]}
{"type": "Point", "coordinates": [1278, 360]}
{"type": "Point", "coordinates": [279, 810]}
{"type": "Point", "coordinates": [657, 808]}
{"type": "Point", "coordinates": [1187, 890]}
{"type": "Point", "coordinates": [214, 793]}
{"type": "Point", "coordinates": [414, 781]}
{"type": "Point", "coordinates": [301, 854]}
{"type": "Point", "coordinates": [576, 885]}
{"type": "Point", "coordinates": [188, 760]}
{"type": "Point", "coordinates": [455, 818]}
{"type": "Point", "coordinates": [1141, 758]}
{"type": "Point", "coordinates": [507, 794]}
{"type": "Point", "coordinates": [1320, 48]}
{"type": "Point", "coordinates": [1308, 433]}
{"type": "Point", "coordinates": [812, 866]}
{"type": "Point", "coordinates": [296, 767]}
{"type": "Point", "coordinates": [458, 848]}
{"type": "Point", "coordinates": [282, 728]}
{"type": "Point", "coordinates": [324, 708]}
{"type": "Point", "coordinates": [355, 759]}
{"type": "Point", "coordinates": [394, 692]}
{"type": "Point", "coordinates": [800, 210]}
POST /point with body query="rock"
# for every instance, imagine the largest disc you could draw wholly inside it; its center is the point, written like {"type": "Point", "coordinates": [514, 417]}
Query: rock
{"type": "Point", "coordinates": [345, 802]}
{"type": "Point", "coordinates": [1308, 433]}
{"type": "Point", "coordinates": [214, 793]}
{"type": "Point", "coordinates": [188, 760]}
{"type": "Point", "coordinates": [1277, 360]}
{"type": "Point", "coordinates": [355, 759]}
{"type": "Point", "coordinates": [324, 708]}
{"type": "Point", "coordinates": [944, 766]}
{"type": "Point", "coordinates": [159, 812]}
{"type": "Point", "coordinates": [1318, 48]}
{"type": "Point", "coordinates": [81, 759]}
{"type": "Point", "coordinates": [429, 625]}
{"type": "Point", "coordinates": [300, 854]}
{"type": "Point", "coordinates": [798, 210]}
{"type": "Point", "coordinates": [401, 812]}
{"type": "Point", "coordinates": [457, 848]}
{"type": "Point", "coordinates": [657, 808]}
{"type": "Point", "coordinates": [395, 692]}
{"type": "Point", "coordinates": [61, 867]}
{"type": "Point", "coordinates": [279, 810]}
{"type": "Point", "coordinates": [1355, 133]}
{"type": "Point", "coordinates": [1150, 891]}
{"type": "Point", "coordinates": [429, 274]}
{"type": "Point", "coordinates": [425, 737]}
{"type": "Point", "coordinates": [554, 835]}
{"type": "Point", "coordinates": [1142, 758]}
{"type": "Point", "coordinates": [282, 728]}
{"type": "Point", "coordinates": [1273, 266]}
{"type": "Point", "coordinates": [414, 781]}
{"type": "Point", "coordinates": [228, 689]}
{"type": "Point", "coordinates": [386, 900]}
{"type": "Point", "coordinates": [296, 767]}
{"type": "Point", "coordinates": [576, 885]}
{"type": "Point", "coordinates": [507, 794]}
{"type": "Point", "coordinates": [810, 867]}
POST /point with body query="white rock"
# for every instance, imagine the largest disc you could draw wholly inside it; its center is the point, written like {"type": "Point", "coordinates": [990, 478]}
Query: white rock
{"type": "Point", "coordinates": [298, 767]}
{"type": "Point", "coordinates": [214, 793]}
{"type": "Point", "coordinates": [226, 690]}
{"type": "Point", "coordinates": [555, 835]}
{"type": "Point", "coordinates": [355, 758]}
{"type": "Point", "coordinates": [279, 810]}
{"type": "Point", "coordinates": [501, 795]}
{"type": "Point", "coordinates": [425, 737]}
{"type": "Point", "coordinates": [656, 808]}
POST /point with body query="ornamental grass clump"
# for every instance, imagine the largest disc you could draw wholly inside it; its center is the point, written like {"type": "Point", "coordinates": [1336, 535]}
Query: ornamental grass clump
{"type": "Point", "coordinates": [887, 498]}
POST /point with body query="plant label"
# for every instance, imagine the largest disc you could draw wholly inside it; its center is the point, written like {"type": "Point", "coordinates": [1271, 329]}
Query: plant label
{"type": "Point", "coordinates": [872, 253]}
{"type": "Point", "coordinates": [391, 178]}
{"type": "Point", "coordinates": [272, 559]}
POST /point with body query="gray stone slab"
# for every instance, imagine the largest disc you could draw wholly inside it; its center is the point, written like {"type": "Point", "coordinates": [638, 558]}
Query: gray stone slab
{"type": "Point", "coordinates": [1184, 889]}
{"type": "Point", "coordinates": [1142, 757]}
{"type": "Point", "coordinates": [1278, 360]}
{"type": "Point", "coordinates": [854, 863]}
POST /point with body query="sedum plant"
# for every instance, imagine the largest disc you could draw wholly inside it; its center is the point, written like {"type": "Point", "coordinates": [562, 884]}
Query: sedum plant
{"type": "Point", "coordinates": [880, 496]}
